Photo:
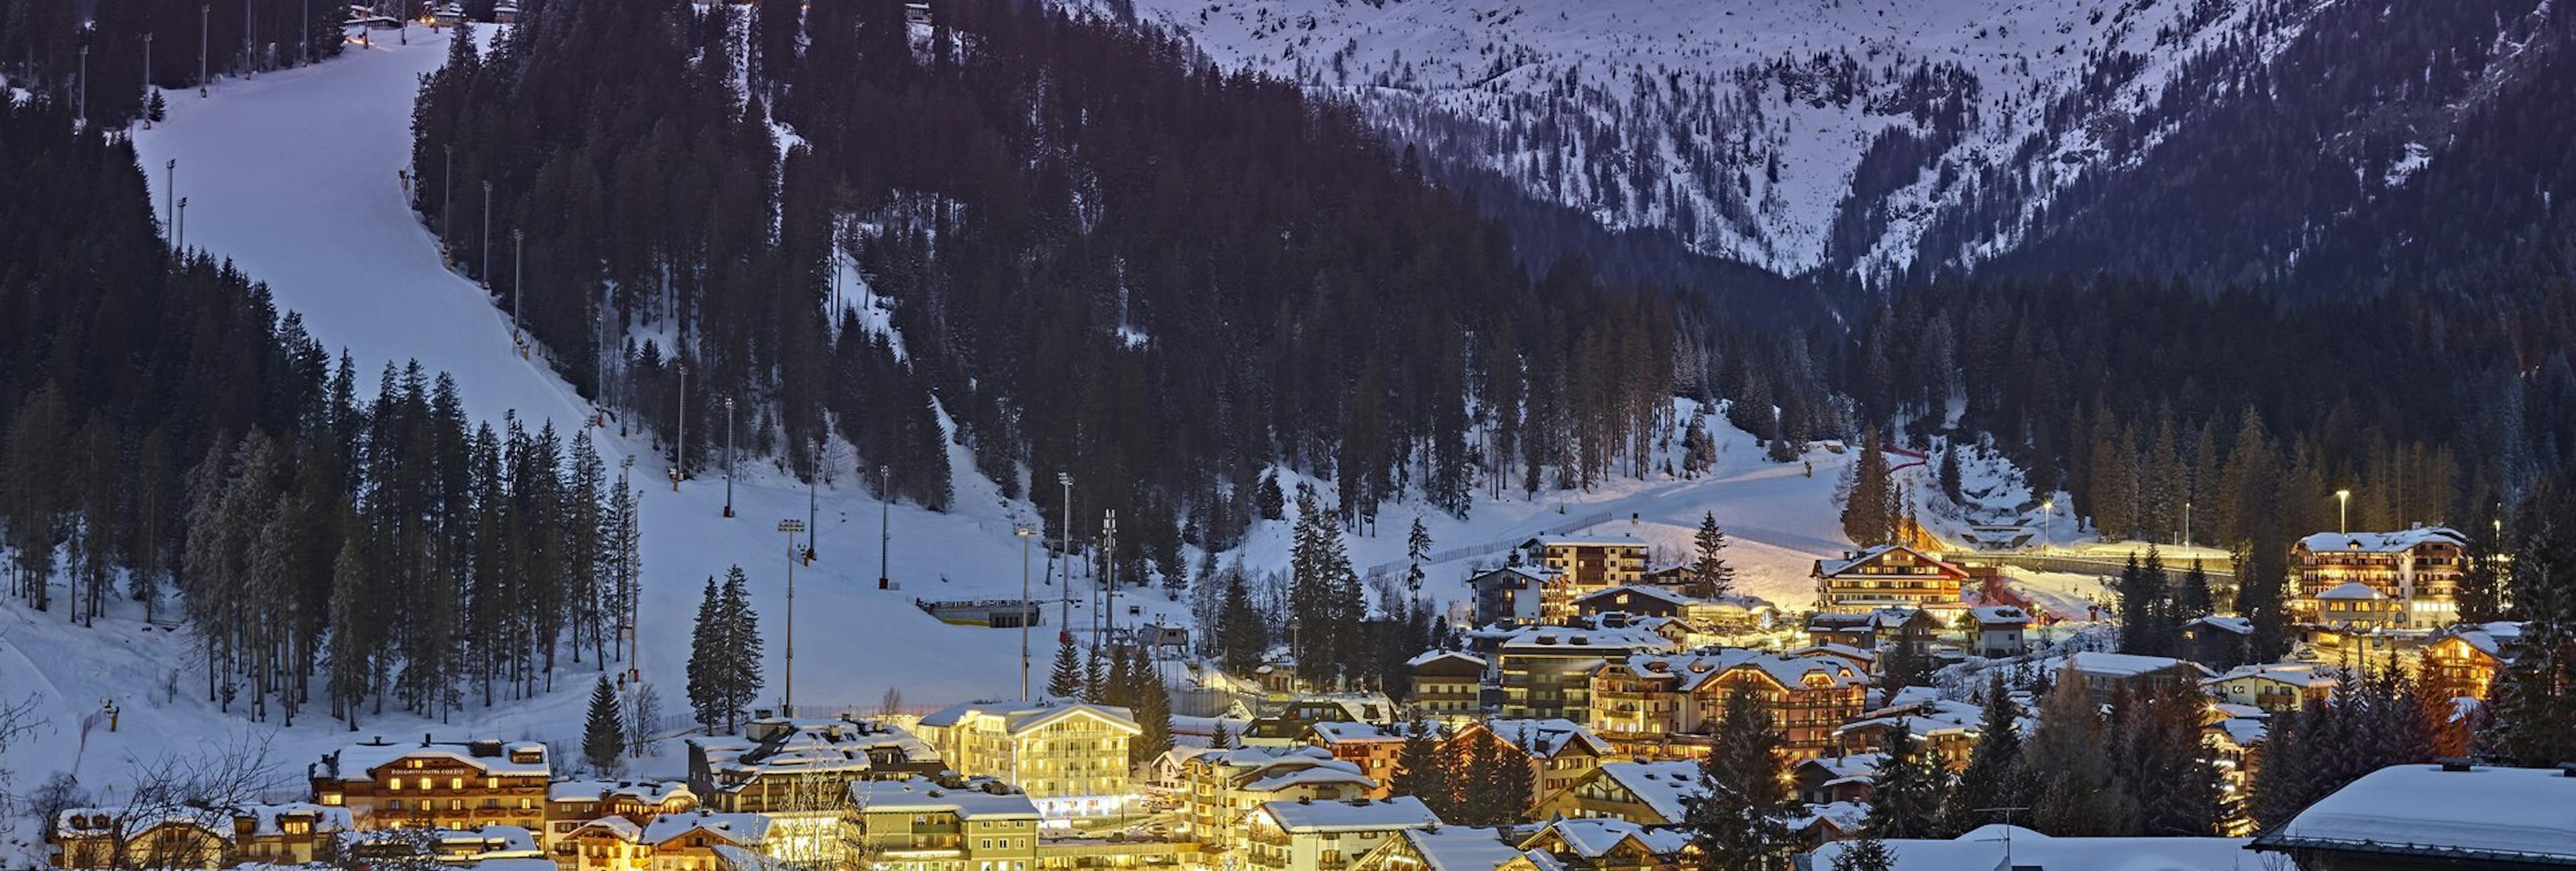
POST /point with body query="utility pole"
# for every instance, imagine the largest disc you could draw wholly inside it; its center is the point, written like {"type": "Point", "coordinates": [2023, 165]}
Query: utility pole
{"type": "Point", "coordinates": [83, 109]}
{"type": "Point", "coordinates": [680, 448]}
{"type": "Point", "coordinates": [204, 13]}
{"type": "Point", "coordinates": [811, 505]}
{"type": "Point", "coordinates": [1028, 610]}
{"type": "Point", "coordinates": [885, 523]}
{"type": "Point", "coordinates": [183, 226]}
{"type": "Point", "coordinates": [1064, 551]}
{"type": "Point", "coordinates": [791, 527]}
{"type": "Point", "coordinates": [728, 508]}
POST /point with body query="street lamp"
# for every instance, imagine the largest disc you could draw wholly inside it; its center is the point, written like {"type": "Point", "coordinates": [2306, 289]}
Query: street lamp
{"type": "Point", "coordinates": [2343, 512]}
{"type": "Point", "coordinates": [1027, 611]}
{"type": "Point", "coordinates": [2047, 521]}
{"type": "Point", "coordinates": [680, 448]}
{"type": "Point", "coordinates": [485, 276]}
{"type": "Point", "coordinates": [518, 247]}
{"type": "Point", "coordinates": [1064, 590]}
{"type": "Point", "coordinates": [2186, 522]}
{"type": "Point", "coordinates": [788, 699]}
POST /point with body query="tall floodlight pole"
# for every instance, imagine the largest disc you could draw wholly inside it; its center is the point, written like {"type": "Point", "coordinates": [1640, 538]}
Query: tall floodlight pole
{"type": "Point", "coordinates": [304, 52]}
{"type": "Point", "coordinates": [250, 57]}
{"type": "Point", "coordinates": [518, 247]}
{"type": "Point", "coordinates": [205, 13]}
{"type": "Point", "coordinates": [486, 274]}
{"type": "Point", "coordinates": [1103, 617]}
{"type": "Point", "coordinates": [885, 522]}
{"type": "Point", "coordinates": [791, 527]}
{"type": "Point", "coordinates": [83, 109]}
{"type": "Point", "coordinates": [2186, 523]}
{"type": "Point", "coordinates": [2343, 512]}
{"type": "Point", "coordinates": [1028, 612]}
{"type": "Point", "coordinates": [812, 505]}
{"type": "Point", "coordinates": [183, 225]}
{"type": "Point", "coordinates": [680, 449]}
{"type": "Point", "coordinates": [446, 198]}
{"type": "Point", "coordinates": [728, 508]}
{"type": "Point", "coordinates": [1064, 550]}
{"type": "Point", "coordinates": [170, 195]}
{"type": "Point", "coordinates": [634, 500]}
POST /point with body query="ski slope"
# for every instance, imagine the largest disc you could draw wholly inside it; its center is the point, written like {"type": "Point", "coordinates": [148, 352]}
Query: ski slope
{"type": "Point", "coordinates": [292, 176]}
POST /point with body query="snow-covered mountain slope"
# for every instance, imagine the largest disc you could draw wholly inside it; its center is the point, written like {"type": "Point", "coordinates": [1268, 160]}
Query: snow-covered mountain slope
{"type": "Point", "coordinates": [293, 176]}
{"type": "Point", "coordinates": [1851, 135]}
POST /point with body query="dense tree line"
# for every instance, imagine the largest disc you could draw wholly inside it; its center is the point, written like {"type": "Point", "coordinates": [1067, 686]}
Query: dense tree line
{"type": "Point", "coordinates": [41, 44]}
{"type": "Point", "coordinates": [167, 429]}
{"type": "Point", "coordinates": [1101, 258]}
{"type": "Point", "coordinates": [1476, 778]}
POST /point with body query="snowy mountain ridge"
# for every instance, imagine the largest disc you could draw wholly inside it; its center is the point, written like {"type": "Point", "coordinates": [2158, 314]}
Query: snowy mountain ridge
{"type": "Point", "coordinates": [1858, 136]}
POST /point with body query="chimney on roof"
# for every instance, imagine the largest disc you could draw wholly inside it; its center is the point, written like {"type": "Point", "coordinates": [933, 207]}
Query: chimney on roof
{"type": "Point", "coordinates": [2454, 763]}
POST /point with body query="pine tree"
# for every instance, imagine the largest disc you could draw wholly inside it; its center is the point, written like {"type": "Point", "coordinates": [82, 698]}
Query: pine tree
{"type": "Point", "coordinates": [1153, 712]}
{"type": "Point", "coordinates": [1065, 681]}
{"type": "Point", "coordinates": [1866, 853]}
{"type": "Point", "coordinates": [742, 654]}
{"type": "Point", "coordinates": [1949, 475]}
{"type": "Point", "coordinates": [1419, 771]}
{"type": "Point", "coordinates": [1741, 824]}
{"type": "Point", "coordinates": [2195, 599]}
{"type": "Point", "coordinates": [2282, 785]}
{"type": "Point", "coordinates": [603, 740]}
{"type": "Point", "coordinates": [1095, 678]}
{"type": "Point", "coordinates": [2534, 698]}
{"type": "Point", "coordinates": [1867, 514]}
{"type": "Point", "coordinates": [1243, 638]}
{"type": "Point", "coordinates": [1220, 737]}
{"type": "Point", "coordinates": [2070, 764]}
{"type": "Point", "coordinates": [1120, 685]}
{"type": "Point", "coordinates": [1994, 776]}
{"type": "Point", "coordinates": [1266, 497]}
{"type": "Point", "coordinates": [1515, 784]}
{"type": "Point", "coordinates": [707, 637]}
{"type": "Point", "coordinates": [1906, 801]}
{"type": "Point", "coordinates": [1417, 547]}
{"type": "Point", "coordinates": [1710, 575]}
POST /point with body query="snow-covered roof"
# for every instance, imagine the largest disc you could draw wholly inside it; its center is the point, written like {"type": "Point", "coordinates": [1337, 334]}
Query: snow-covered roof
{"type": "Point", "coordinates": [2383, 542]}
{"type": "Point", "coordinates": [1923, 719]}
{"type": "Point", "coordinates": [1658, 593]}
{"type": "Point", "coordinates": [2245, 731]}
{"type": "Point", "coordinates": [1320, 774]}
{"type": "Point", "coordinates": [1983, 848]}
{"type": "Point", "coordinates": [646, 792]}
{"type": "Point", "coordinates": [2351, 590]}
{"type": "Point", "coordinates": [1023, 715]}
{"type": "Point", "coordinates": [1880, 618]}
{"type": "Point", "coordinates": [1692, 671]}
{"type": "Point", "coordinates": [358, 762]}
{"type": "Point", "coordinates": [2493, 639]}
{"type": "Point", "coordinates": [2297, 674]}
{"type": "Point", "coordinates": [1594, 837]}
{"type": "Point", "coordinates": [1847, 816]}
{"type": "Point", "coordinates": [1667, 787]}
{"type": "Point", "coordinates": [1558, 639]}
{"type": "Point", "coordinates": [922, 795]}
{"type": "Point", "coordinates": [734, 858]}
{"type": "Point", "coordinates": [1997, 614]}
{"type": "Point", "coordinates": [1356, 815]}
{"type": "Point", "coordinates": [1429, 656]}
{"type": "Point", "coordinates": [2481, 813]}
{"type": "Point", "coordinates": [1344, 732]}
{"type": "Point", "coordinates": [1590, 541]}
{"type": "Point", "coordinates": [2238, 625]}
{"type": "Point", "coordinates": [1855, 558]}
{"type": "Point", "coordinates": [2128, 664]}
{"type": "Point", "coordinates": [1550, 736]}
{"type": "Point", "coordinates": [1462, 848]}
{"type": "Point", "coordinates": [740, 828]}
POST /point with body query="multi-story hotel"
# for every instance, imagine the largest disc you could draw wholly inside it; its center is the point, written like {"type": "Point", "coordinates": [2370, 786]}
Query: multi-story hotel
{"type": "Point", "coordinates": [1559, 752]}
{"type": "Point", "coordinates": [2417, 572]}
{"type": "Point", "coordinates": [1220, 789]}
{"type": "Point", "coordinates": [1886, 575]}
{"type": "Point", "coordinates": [1327, 835]}
{"type": "Point", "coordinates": [2462, 661]}
{"type": "Point", "coordinates": [439, 784]}
{"type": "Point", "coordinates": [1070, 758]}
{"type": "Point", "coordinates": [1647, 704]}
{"type": "Point", "coordinates": [922, 825]}
{"type": "Point", "coordinates": [1547, 670]}
{"type": "Point", "coordinates": [1583, 566]}
{"type": "Point", "coordinates": [1447, 683]}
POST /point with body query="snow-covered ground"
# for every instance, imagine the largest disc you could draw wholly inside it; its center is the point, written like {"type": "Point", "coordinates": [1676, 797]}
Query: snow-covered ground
{"type": "Point", "coordinates": [293, 176]}
{"type": "Point", "coordinates": [1732, 122]}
